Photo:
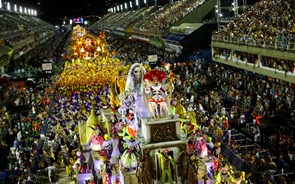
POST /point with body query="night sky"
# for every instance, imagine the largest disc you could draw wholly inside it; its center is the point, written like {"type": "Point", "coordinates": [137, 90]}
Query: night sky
{"type": "Point", "coordinates": [54, 11]}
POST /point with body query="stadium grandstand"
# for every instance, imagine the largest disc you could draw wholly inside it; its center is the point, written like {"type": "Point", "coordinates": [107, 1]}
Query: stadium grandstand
{"type": "Point", "coordinates": [85, 103]}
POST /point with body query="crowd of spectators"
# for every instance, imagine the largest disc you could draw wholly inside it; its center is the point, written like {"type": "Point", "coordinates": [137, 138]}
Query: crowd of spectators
{"type": "Point", "coordinates": [15, 40]}
{"type": "Point", "coordinates": [25, 106]}
{"type": "Point", "coordinates": [48, 51]}
{"type": "Point", "coordinates": [4, 59]}
{"type": "Point", "coordinates": [270, 21]}
{"type": "Point", "coordinates": [161, 20]}
{"type": "Point", "coordinates": [287, 66]}
{"type": "Point", "coordinates": [130, 51]}
{"type": "Point", "coordinates": [24, 119]}
{"type": "Point", "coordinates": [137, 15]}
{"type": "Point", "coordinates": [244, 96]}
{"type": "Point", "coordinates": [279, 64]}
{"type": "Point", "coordinates": [5, 25]}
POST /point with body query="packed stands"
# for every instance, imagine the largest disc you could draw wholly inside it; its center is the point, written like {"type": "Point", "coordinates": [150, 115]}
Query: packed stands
{"type": "Point", "coordinates": [20, 33]}
{"type": "Point", "coordinates": [266, 23]}
{"type": "Point", "coordinates": [161, 20]}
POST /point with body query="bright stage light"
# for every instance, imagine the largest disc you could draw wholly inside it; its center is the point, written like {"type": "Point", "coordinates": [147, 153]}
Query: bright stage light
{"type": "Point", "coordinates": [8, 6]}
{"type": "Point", "coordinates": [130, 3]}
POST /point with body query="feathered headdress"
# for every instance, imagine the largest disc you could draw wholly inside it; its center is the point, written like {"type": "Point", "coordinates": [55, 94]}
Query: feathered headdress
{"type": "Point", "coordinates": [151, 75]}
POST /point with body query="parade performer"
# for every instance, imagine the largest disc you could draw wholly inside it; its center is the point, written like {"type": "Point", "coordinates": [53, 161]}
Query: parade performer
{"type": "Point", "coordinates": [203, 149]}
{"type": "Point", "coordinates": [117, 176]}
{"type": "Point", "coordinates": [132, 124]}
{"type": "Point", "coordinates": [98, 139]}
{"type": "Point", "coordinates": [166, 161]}
{"type": "Point", "coordinates": [117, 148]}
{"type": "Point", "coordinates": [106, 173]}
{"type": "Point", "coordinates": [128, 103]}
{"type": "Point", "coordinates": [129, 157]}
{"type": "Point", "coordinates": [209, 145]}
{"type": "Point", "coordinates": [158, 104]}
{"type": "Point", "coordinates": [190, 143]}
{"type": "Point", "coordinates": [96, 143]}
{"type": "Point", "coordinates": [200, 147]}
{"type": "Point", "coordinates": [86, 131]}
{"type": "Point", "coordinates": [225, 175]}
{"type": "Point", "coordinates": [216, 149]}
{"type": "Point", "coordinates": [108, 146]}
{"type": "Point", "coordinates": [242, 178]}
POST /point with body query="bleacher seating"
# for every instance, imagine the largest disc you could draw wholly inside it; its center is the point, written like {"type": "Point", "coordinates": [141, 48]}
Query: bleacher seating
{"type": "Point", "coordinates": [269, 21]}
{"type": "Point", "coordinates": [161, 20]}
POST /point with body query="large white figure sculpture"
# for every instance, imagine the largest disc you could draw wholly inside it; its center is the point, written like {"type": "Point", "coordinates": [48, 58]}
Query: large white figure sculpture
{"type": "Point", "coordinates": [134, 85]}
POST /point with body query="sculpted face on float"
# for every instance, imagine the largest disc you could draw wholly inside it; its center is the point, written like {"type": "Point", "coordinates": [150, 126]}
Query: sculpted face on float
{"type": "Point", "coordinates": [137, 73]}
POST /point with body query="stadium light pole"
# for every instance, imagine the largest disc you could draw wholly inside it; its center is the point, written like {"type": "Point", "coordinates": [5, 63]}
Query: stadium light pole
{"type": "Point", "coordinates": [21, 9]}
{"type": "Point", "coordinates": [126, 8]}
{"type": "Point", "coordinates": [0, 3]}
{"type": "Point", "coordinates": [244, 5]}
{"type": "Point", "coordinates": [8, 6]}
{"type": "Point", "coordinates": [15, 7]}
{"type": "Point", "coordinates": [145, 2]}
{"type": "Point", "coordinates": [156, 4]}
{"type": "Point", "coordinates": [130, 5]}
{"type": "Point", "coordinates": [218, 13]}
{"type": "Point", "coordinates": [235, 8]}
{"type": "Point", "coordinates": [137, 4]}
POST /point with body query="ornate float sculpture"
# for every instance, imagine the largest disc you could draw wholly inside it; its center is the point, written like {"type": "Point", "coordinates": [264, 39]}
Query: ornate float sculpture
{"type": "Point", "coordinates": [157, 94]}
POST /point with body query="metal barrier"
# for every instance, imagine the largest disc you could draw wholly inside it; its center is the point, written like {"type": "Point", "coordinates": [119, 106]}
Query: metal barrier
{"type": "Point", "coordinates": [240, 164]}
{"type": "Point", "coordinates": [268, 44]}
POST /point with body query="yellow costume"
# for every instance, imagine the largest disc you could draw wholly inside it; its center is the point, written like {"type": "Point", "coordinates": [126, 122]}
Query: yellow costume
{"type": "Point", "coordinates": [86, 133]}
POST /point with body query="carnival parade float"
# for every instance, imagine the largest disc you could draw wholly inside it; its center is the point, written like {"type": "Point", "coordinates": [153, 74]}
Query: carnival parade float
{"type": "Point", "coordinates": [130, 124]}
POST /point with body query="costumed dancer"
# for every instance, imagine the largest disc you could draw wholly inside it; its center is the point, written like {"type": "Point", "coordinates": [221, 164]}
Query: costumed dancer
{"type": "Point", "coordinates": [203, 148]}
{"type": "Point", "coordinates": [117, 148]}
{"type": "Point", "coordinates": [216, 150]}
{"type": "Point", "coordinates": [225, 175]}
{"type": "Point", "coordinates": [190, 143]}
{"type": "Point", "coordinates": [132, 123]}
{"type": "Point", "coordinates": [129, 157]}
{"type": "Point", "coordinates": [107, 173]}
{"type": "Point", "coordinates": [209, 145]}
{"type": "Point", "coordinates": [108, 146]}
{"type": "Point", "coordinates": [166, 161]}
{"type": "Point", "coordinates": [197, 142]}
{"type": "Point", "coordinates": [98, 139]}
{"type": "Point", "coordinates": [117, 176]}
{"type": "Point", "coordinates": [97, 142]}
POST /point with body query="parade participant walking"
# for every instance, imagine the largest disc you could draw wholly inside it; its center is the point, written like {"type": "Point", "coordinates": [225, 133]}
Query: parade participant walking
{"type": "Point", "coordinates": [166, 162]}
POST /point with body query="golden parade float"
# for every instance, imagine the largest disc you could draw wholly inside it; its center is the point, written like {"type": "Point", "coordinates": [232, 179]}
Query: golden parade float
{"type": "Point", "coordinates": [91, 66]}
